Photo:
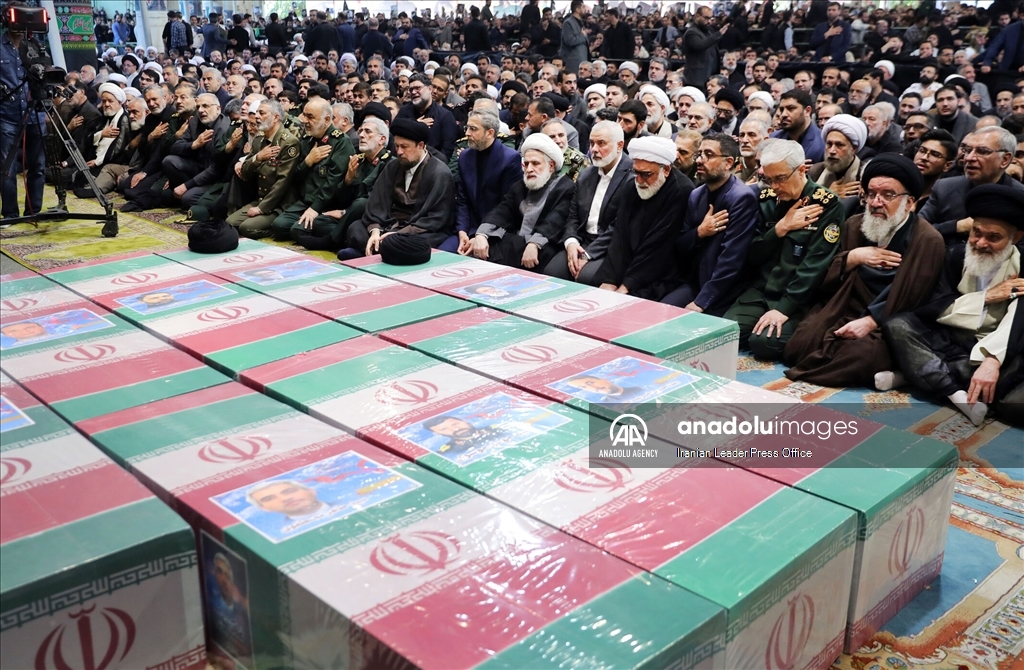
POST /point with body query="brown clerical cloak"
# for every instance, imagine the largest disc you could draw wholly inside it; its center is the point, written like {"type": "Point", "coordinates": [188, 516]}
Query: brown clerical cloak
{"type": "Point", "coordinates": [817, 355]}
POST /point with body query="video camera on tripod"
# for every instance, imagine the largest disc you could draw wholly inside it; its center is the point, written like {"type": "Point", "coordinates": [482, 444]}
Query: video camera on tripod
{"type": "Point", "coordinates": [44, 83]}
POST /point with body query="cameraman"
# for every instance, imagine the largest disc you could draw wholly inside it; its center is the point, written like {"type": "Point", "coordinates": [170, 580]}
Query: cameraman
{"type": "Point", "coordinates": [17, 49]}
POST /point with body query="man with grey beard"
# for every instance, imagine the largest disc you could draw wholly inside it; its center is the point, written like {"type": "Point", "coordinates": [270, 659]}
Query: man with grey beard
{"type": "Point", "coordinates": [888, 262]}
{"type": "Point", "coordinates": [640, 258]}
{"type": "Point", "coordinates": [840, 171]}
{"type": "Point", "coordinates": [523, 230]}
{"type": "Point", "coordinates": [966, 342]}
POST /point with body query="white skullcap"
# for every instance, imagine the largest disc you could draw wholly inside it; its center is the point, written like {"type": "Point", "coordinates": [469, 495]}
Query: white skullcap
{"type": "Point", "coordinates": [469, 66]}
{"type": "Point", "coordinates": [631, 66]}
{"type": "Point", "coordinates": [110, 53]}
{"type": "Point", "coordinates": [887, 65]}
{"type": "Point", "coordinates": [118, 78]}
{"type": "Point", "coordinates": [408, 60]}
{"type": "Point", "coordinates": [133, 92]}
{"type": "Point", "coordinates": [433, 64]}
{"type": "Point", "coordinates": [600, 89]}
{"type": "Point", "coordinates": [405, 73]}
{"type": "Point", "coordinates": [853, 128]}
{"type": "Point", "coordinates": [544, 144]}
{"type": "Point", "coordinates": [114, 90]}
{"type": "Point", "coordinates": [249, 68]}
{"type": "Point", "coordinates": [658, 94]}
{"type": "Point", "coordinates": [660, 150]}
{"type": "Point", "coordinates": [153, 65]}
{"type": "Point", "coordinates": [492, 91]}
{"type": "Point", "coordinates": [350, 57]}
{"type": "Point", "coordinates": [764, 97]}
{"type": "Point", "coordinates": [693, 92]}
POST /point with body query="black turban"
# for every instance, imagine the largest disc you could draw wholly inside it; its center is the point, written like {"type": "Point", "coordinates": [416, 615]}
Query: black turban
{"type": "Point", "coordinates": [410, 130]}
{"type": "Point", "coordinates": [899, 167]}
{"type": "Point", "coordinates": [402, 249]}
{"type": "Point", "coordinates": [378, 110]}
{"type": "Point", "coordinates": [730, 96]}
{"type": "Point", "coordinates": [212, 237]}
{"type": "Point", "coordinates": [996, 201]}
{"type": "Point", "coordinates": [514, 85]}
{"type": "Point", "coordinates": [561, 103]}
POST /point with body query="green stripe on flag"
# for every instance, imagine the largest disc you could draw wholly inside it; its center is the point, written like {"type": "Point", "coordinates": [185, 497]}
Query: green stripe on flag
{"type": "Point", "coordinates": [742, 562]}
{"type": "Point", "coordinates": [20, 287]}
{"type": "Point", "coordinates": [46, 427]}
{"type": "Point", "coordinates": [114, 541]}
{"type": "Point", "coordinates": [128, 443]}
{"type": "Point", "coordinates": [643, 623]}
{"type": "Point", "coordinates": [438, 259]}
{"type": "Point", "coordinates": [134, 395]}
{"type": "Point", "coordinates": [482, 337]}
{"type": "Point", "coordinates": [689, 331]}
{"type": "Point", "coordinates": [255, 354]}
{"type": "Point", "coordinates": [75, 275]}
{"type": "Point", "coordinates": [405, 314]}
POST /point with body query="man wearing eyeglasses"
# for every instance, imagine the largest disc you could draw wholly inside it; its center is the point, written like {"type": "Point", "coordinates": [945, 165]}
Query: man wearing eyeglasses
{"type": "Point", "coordinates": [443, 131]}
{"type": "Point", "coordinates": [985, 155]}
{"type": "Point", "coordinates": [935, 156]}
{"type": "Point", "coordinates": [965, 343]}
{"type": "Point", "coordinates": [797, 235]}
{"type": "Point", "coordinates": [888, 262]}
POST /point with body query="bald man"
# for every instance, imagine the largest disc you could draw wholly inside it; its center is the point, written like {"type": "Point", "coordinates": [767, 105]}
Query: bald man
{"type": "Point", "coordinates": [325, 153]}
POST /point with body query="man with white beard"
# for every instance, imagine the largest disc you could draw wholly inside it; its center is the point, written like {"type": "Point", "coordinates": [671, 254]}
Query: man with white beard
{"type": "Point", "coordinates": [844, 136]}
{"type": "Point", "coordinates": [596, 96]}
{"type": "Point", "coordinates": [657, 103]}
{"type": "Point", "coordinates": [640, 259]}
{"type": "Point", "coordinates": [888, 262]}
{"type": "Point", "coordinates": [524, 229]}
{"type": "Point", "coordinates": [110, 139]}
{"type": "Point", "coordinates": [965, 343]}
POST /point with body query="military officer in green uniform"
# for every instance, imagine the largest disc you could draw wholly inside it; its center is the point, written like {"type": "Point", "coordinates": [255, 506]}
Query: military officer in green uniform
{"type": "Point", "coordinates": [573, 160]}
{"type": "Point", "coordinates": [797, 236]}
{"type": "Point", "coordinates": [349, 199]}
{"type": "Point", "coordinates": [325, 152]}
{"type": "Point", "coordinates": [270, 163]}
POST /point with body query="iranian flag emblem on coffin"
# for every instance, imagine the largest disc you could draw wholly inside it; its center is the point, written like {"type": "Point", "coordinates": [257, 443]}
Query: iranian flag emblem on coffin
{"type": "Point", "coordinates": [95, 572]}
{"type": "Point", "coordinates": [320, 550]}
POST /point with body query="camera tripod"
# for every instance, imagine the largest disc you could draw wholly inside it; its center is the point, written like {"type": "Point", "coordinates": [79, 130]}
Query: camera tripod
{"type": "Point", "coordinates": [52, 143]}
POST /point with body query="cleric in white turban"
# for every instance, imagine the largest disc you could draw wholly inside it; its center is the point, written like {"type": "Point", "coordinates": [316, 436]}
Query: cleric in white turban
{"type": "Point", "coordinates": [641, 257]}
{"type": "Point", "coordinates": [693, 93]}
{"type": "Point", "coordinates": [114, 90]}
{"type": "Point", "coordinates": [596, 98]}
{"type": "Point", "coordinates": [844, 136]}
{"type": "Point", "coordinates": [658, 104]}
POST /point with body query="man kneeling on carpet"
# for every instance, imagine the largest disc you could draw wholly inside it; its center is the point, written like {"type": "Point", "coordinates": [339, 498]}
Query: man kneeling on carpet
{"type": "Point", "coordinates": [967, 342]}
{"type": "Point", "coordinates": [413, 195]}
{"type": "Point", "coordinates": [888, 262]}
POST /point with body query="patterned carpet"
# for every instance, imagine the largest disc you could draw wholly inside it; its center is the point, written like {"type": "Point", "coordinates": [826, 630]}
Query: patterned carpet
{"type": "Point", "coordinates": [971, 617]}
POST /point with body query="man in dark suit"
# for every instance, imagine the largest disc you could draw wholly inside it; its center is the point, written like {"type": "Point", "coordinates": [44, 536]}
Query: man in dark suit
{"type": "Point", "coordinates": [475, 33]}
{"type": "Point", "coordinates": [1011, 42]}
{"type": "Point", "coordinates": [522, 231]}
{"type": "Point", "coordinates": [831, 39]}
{"type": "Point", "coordinates": [323, 36]}
{"type": "Point", "coordinates": [720, 222]}
{"type": "Point", "coordinates": [444, 131]}
{"type": "Point", "coordinates": [375, 43]}
{"type": "Point", "coordinates": [588, 230]}
{"type": "Point", "coordinates": [487, 172]}
{"type": "Point", "coordinates": [990, 152]}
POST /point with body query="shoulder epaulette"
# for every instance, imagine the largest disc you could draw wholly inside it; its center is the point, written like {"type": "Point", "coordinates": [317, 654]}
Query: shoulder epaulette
{"type": "Point", "coordinates": [768, 193]}
{"type": "Point", "coordinates": [823, 195]}
{"type": "Point", "coordinates": [336, 133]}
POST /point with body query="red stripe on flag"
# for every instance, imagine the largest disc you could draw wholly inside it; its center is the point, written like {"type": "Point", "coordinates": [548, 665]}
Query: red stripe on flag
{"type": "Point", "coordinates": [444, 325]}
{"type": "Point", "coordinates": [247, 332]}
{"type": "Point", "coordinates": [66, 500]}
{"type": "Point", "coordinates": [313, 360]}
{"type": "Point", "coordinates": [152, 410]}
{"type": "Point", "coordinates": [625, 320]}
{"type": "Point", "coordinates": [19, 396]}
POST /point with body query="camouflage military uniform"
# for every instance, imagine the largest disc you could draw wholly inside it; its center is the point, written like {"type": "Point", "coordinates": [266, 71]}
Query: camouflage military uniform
{"type": "Point", "coordinates": [273, 183]}
{"type": "Point", "coordinates": [573, 163]}
{"type": "Point", "coordinates": [315, 185]}
{"type": "Point", "coordinates": [787, 270]}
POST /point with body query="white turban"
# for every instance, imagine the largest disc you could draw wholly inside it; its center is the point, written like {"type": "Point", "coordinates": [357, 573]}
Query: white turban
{"type": "Point", "coordinates": [249, 68]}
{"type": "Point", "coordinates": [153, 65]}
{"type": "Point", "coordinates": [600, 89]}
{"type": "Point", "coordinates": [850, 126]}
{"type": "Point", "coordinates": [631, 66]}
{"type": "Point", "coordinates": [405, 73]}
{"type": "Point", "coordinates": [118, 78]}
{"type": "Point", "coordinates": [764, 97]}
{"type": "Point", "coordinates": [492, 91]}
{"type": "Point", "coordinates": [469, 66]}
{"type": "Point", "coordinates": [660, 150]}
{"type": "Point", "coordinates": [197, 60]}
{"type": "Point", "coordinates": [349, 57]}
{"type": "Point", "coordinates": [544, 144]}
{"type": "Point", "coordinates": [432, 64]}
{"type": "Point", "coordinates": [114, 90]}
{"type": "Point", "coordinates": [133, 92]}
{"type": "Point", "coordinates": [887, 65]}
{"type": "Point", "coordinates": [693, 92]}
{"type": "Point", "coordinates": [110, 53]}
{"type": "Point", "coordinates": [658, 94]}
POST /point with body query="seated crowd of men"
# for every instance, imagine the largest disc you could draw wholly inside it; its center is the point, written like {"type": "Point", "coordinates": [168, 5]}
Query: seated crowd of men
{"type": "Point", "coordinates": [862, 239]}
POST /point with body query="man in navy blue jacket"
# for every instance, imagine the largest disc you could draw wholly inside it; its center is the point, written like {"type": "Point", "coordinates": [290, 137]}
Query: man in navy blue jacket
{"type": "Point", "coordinates": [373, 42]}
{"type": "Point", "coordinates": [720, 221]}
{"type": "Point", "coordinates": [444, 131]}
{"type": "Point", "coordinates": [832, 38]}
{"type": "Point", "coordinates": [487, 171]}
{"type": "Point", "coordinates": [407, 39]}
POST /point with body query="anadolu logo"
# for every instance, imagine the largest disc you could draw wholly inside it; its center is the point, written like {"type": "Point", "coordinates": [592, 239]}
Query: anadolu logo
{"type": "Point", "coordinates": [18, 304]}
{"type": "Point", "coordinates": [409, 392]}
{"type": "Point", "coordinates": [575, 306]}
{"type": "Point", "coordinates": [85, 353]}
{"type": "Point", "coordinates": [234, 449]}
{"type": "Point", "coordinates": [334, 287]}
{"type": "Point", "coordinates": [99, 648]}
{"type": "Point", "coordinates": [13, 469]}
{"type": "Point", "coordinates": [244, 258]}
{"type": "Point", "coordinates": [790, 634]}
{"type": "Point", "coordinates": [452, 273]}
{"type": "Point", "coordinates": [906, 542]}
{"type": "Point", "coordinates": [628, 430]}
{"type": "Point", "coordinates": [134, 279]}
{"type": "Point", "coordinates": [416, 553]}
{"type": "Point", "coordinates": [223, 314]}
{"type": "Point", "coordinates": [529, 353]}
{"type": "Point", "coordinates": [609, 475]}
